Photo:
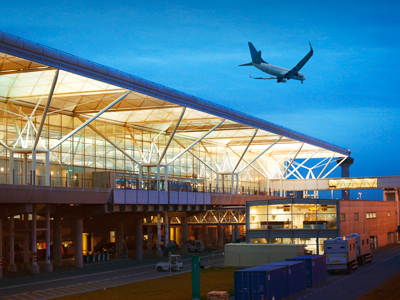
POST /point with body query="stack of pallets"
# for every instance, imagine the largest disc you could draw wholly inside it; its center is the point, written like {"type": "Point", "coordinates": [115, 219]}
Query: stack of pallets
{"type": "Point", "coordinates": [217, 295]}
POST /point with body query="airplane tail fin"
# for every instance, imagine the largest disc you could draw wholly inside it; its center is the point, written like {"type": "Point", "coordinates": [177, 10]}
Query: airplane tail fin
{"type": "Point", "coordinates": [255, 56]}
{"type": "Point", "coordinates": [253, 51]}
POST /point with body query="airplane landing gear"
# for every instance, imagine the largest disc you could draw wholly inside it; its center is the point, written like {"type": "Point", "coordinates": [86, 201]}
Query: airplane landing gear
{"type": "Point", "coordinates": [302, 82]}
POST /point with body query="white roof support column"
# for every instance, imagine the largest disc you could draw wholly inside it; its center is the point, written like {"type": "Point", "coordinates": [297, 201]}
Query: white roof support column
{"type": "Point", "coordinates": [299, 166]}
{"type": "Point", "coordinates": [33, 167]}
{"type": "Point", "coordinates": [166, 179]}
{"type": "Point", "coordinates": [237, 183]}
{"type": "Point", "coordinates": [66, 137]}
{"type": "Point", "coordinates": [5, 146]}
{"type": "Point", "coordinates": [158, 177]}
{"type": "Point", "coordinates": [333, 155]}
{"type": "Point", "coordinates": [258, 156]}
{"type": "Point", "coordinates": [245, 151]}
{"type": "Point", "coordinates": [201, 160]}
{"type": "Point", "coordinates": [195, 143]}
{"type": "Point", "coordinates": [233, 183]}
{"type": "Point", "coordinates": [46, 109]}
{"type": "Point", "coordinates": [47, 169]}
{"type": "Point", "coordinates": [297, 153]}
{"type": "Point", "coordinates": [17, 129]}
{"type": "Point", "coordinates": [140, 177]}
{"type": "Point", "coordinates": [209, 155]}
{"type": "Point", "coordinates": [172, 136]}
{"type": "Point", "coordinates": [335, 167]}
{"type": "Point", "coordinates": [109, 141]}
{"type": "Point", "coordinates": [135, 143]}
{"type": "Point", "coordinates": [265, 175]}
{"type": "Point", "coordinates": [11, 167]}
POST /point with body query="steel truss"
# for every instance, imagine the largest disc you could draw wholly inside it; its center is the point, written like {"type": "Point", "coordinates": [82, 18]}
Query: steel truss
{"type": "Point", "coordinates": [222, 216]}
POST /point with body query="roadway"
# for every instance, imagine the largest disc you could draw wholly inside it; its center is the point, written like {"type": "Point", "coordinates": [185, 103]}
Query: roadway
{"type": "Point", "coordinates": [101, 275]}
{"type": "Point", "coordinates": [386, 263]}
{"type": "Point", "coordinates": [95, 276]}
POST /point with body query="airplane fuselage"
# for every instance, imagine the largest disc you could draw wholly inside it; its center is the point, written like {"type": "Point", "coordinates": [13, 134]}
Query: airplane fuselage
{"type": "Point", "coordinates": [278, 71]}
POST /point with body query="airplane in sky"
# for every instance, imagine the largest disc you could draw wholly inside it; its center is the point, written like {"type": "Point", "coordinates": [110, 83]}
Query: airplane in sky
{"type": "Point", "coordinates": [281, 74]}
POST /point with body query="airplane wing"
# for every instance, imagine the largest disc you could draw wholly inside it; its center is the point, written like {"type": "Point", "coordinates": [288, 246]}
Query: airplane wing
{"type": "Point", "coordinates": [301, 64]}
{"type": "Point", "coordinates": [272, 77]}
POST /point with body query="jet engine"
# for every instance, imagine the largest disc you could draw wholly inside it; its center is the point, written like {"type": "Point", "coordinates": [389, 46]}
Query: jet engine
{"type": "Point", "coordinates": [282, 80]}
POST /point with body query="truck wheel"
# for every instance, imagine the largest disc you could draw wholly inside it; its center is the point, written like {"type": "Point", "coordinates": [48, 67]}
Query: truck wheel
{"type": "Point", "coordinates": [349, 269]}
{"type": "Point", "coordinates": [362, 261]}
{"type": "Point", "coordinates": [159, 269]}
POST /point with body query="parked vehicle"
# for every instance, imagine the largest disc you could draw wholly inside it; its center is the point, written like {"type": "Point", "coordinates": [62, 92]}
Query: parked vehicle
{"type": "Point", "coordinates": [196, 246]}
{"type": "Point", "coordinates": [363, 247]}
{"type": "Point", "coordinates": [174, 264]}
{"type": "Point", "coordinates": [341, 254]}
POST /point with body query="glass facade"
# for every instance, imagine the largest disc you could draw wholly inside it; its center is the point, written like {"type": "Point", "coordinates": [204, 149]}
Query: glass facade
{"type": "Point", "coordinates": [293, 216]}
{"type": "Point", "coordinates": [293, 221]}
{"type": "Point", "coordinates": [86, 126]}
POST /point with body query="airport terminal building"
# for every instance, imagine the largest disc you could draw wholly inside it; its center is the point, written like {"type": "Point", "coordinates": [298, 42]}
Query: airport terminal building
{"type": "Point", "coordinates": [90, 155]}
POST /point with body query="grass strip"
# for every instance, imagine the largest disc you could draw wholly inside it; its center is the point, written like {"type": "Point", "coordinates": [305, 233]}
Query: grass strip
{"type": "Point", "coordinates": [389, 290]}
{"type": "Point", "coordinates": [178, 286]}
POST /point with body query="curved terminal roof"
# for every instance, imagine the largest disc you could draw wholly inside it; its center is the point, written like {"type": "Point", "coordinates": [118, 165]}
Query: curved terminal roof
{"type": "Point", "coordinates": [84, 88]}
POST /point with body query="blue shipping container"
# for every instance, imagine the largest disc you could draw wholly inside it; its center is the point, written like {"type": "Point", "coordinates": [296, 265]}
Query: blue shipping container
{"type": "Point", "coordinates": [296, 279]}
{"type": "Point", "coordinates": [315, 268]}
{"type": "Point", "coordinates": [262, 282]}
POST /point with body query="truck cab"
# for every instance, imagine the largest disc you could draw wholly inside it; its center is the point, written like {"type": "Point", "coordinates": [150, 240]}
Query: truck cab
{"type": "Point", "coordinates": [341, 254]}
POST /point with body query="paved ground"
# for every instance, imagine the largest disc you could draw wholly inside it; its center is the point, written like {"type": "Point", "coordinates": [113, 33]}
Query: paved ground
{"type": "Point", "coordinates": [386, 264]}
{"type": "Point", "coordinates": [68, 280]}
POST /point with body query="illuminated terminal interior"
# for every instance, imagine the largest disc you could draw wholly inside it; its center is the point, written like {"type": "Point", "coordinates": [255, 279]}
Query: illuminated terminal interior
{"type": "Point", "coordinates": [293, 221]}
{"type": "Point", "coordinates": [83, 126]}
{"type": "Point", "coordinates": [293, 216]}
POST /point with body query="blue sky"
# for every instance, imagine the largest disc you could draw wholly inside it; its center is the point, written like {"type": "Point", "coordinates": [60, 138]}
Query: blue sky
{"type": "Point", "coordinates": [350, 97]}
